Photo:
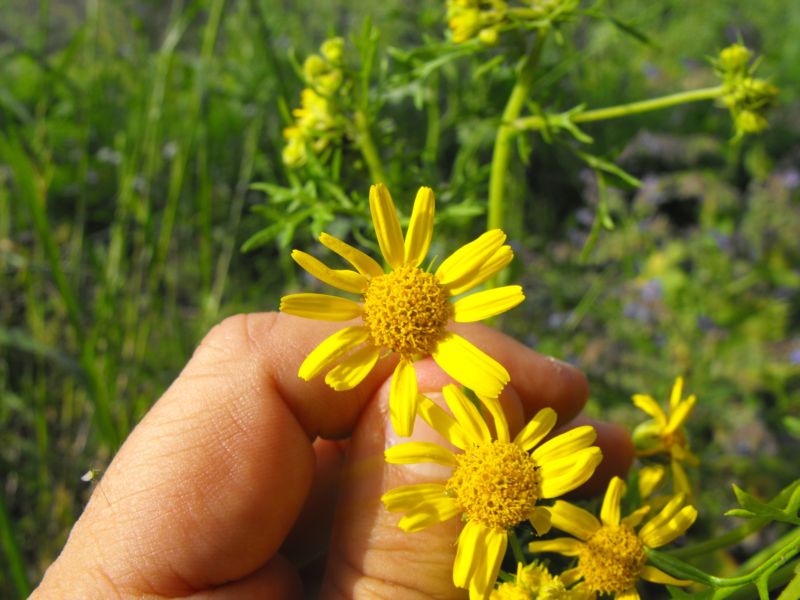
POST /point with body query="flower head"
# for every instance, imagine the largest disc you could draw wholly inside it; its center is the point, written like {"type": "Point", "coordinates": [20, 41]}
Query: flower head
{"type": "Point", "coordinates": [406, 310]}
{"type": "Point", "coordinates": [746, 97]}
{"type": "Point", "coordinates": [496, 483]}
{"type": "Point", "coordinates": [664, 435]}
{"type": "Point", "coordinates": [535, 582]}
{"type": "Point", "coordinates": [612, 555]}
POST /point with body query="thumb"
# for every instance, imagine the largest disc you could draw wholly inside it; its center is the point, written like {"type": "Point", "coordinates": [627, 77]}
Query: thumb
{"type": "Point", "coordinates": [370, 557]}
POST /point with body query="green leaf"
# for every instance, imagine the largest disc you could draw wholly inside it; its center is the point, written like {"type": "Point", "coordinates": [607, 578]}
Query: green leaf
{"type": "Point", "coordinates": [602, 164]}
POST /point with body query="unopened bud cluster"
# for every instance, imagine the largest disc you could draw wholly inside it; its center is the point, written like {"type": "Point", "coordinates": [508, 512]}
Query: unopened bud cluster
{"type": "Point", "coordinates": [487, 19]}
{"type": "Point", "coordinates": [317, 121]}
{"type": "Point", "coordinates": [746, 97]}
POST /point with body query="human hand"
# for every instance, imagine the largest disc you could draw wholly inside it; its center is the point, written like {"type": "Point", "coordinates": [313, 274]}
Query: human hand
{"type": "Point", "coordinates": [233, 485]}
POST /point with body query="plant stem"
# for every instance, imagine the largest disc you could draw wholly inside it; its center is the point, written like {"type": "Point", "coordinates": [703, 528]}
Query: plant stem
{"type": "Point", "coordinates": [632, 108]}
{"type": "Point", "coordinates": [506, 131]}
{"type": "Point", "coordinates": [368, 149]}
{"type": "Point", "coordinates": [623, 110]}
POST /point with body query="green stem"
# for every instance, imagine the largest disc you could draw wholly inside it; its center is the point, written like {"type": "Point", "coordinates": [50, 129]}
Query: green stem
{"type": "Point", "coordinates": [632, 108]}
{"type": "Point", "coordinates": [623, 110]}
{"type": "Point", "coordinates": [734, 535]}
{"type": "Point", "coordinates": [502, 142]}
{"type": "Point", "coordinates": [368, 149]}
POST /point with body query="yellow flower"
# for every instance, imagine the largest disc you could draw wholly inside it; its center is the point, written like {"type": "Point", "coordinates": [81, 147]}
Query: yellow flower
{"type": "Point", "coordinates": [611, 554]}
{"type": "Point", "coordinates": [534, 582]}
{"type": "Point", "coordinates": [406, 310]}
{"type": "Point", "coordinates": [665, 435]}
{"type": "Point", "coordinates": [495, 483]}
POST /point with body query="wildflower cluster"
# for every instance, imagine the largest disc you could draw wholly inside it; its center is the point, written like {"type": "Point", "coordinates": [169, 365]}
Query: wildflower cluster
{"type": "Point", "coordinates": [498, 481]}
{"type": "Point", "coordinates": [318, 121]}
{"type": "Point", "coordinates": [487, 19]}
{"type": "Point", "coordinates": [746, 97]}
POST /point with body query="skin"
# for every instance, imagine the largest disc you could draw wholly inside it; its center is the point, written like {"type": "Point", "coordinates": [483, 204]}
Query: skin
{"type": "Point", "coordinates": [242, 478]}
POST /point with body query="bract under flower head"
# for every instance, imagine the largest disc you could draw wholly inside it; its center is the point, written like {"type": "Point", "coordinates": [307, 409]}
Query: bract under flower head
{"type": "Point", "coordinates": [406, 310]}
{"type": "Point", "coordinates": [611, 553]}
{"type": "Point", "coordinates": [496, 481]}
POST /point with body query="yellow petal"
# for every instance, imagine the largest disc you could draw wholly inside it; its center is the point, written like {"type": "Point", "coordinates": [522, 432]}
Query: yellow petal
{"type": "Point", "coordinates": [651, 407]}
{"type": "Point", "coordinates": [565, 444]}
{"type": "Point", "coordinates": [499, 418]}
{"type": "Point", "coordinates": [436, 511]}
{"type": "Point", "coordinates": [466, 414]}
{"type": "Point", "coordinates": [609, 513]}
{"type": "Point", "coordinates": [650, 477]}
{"type": "Point", "coordinates": [655, 537]}
{"type": "Point", "coordinates": [469, 366]}
{"type": "Point", "coordinates": [633, 519]}
{"type": "Point", "coordinates": [320, 306]}
{"type": "Point", "coordinates": [680, 479]}
{"type": "Point", "coordinates": [332, 349]}
{"type": "Point", "coordinates": [467, 554]}
{"type": "Point", "coordinates": [574, 520]}
{"type": "Point", "coordinates": [536, 429]}
{"type": "Point", "coordinates": [352, 370]}
{"type": "Point", "coordinates": [630, 594]}
{"type": "Point", "coordinates": [364, 264]}
{"type": "Point", "coordinates": [403, 398]}
{"type": "Point", "coordinates": [349, 281]}
{"type": "Point", "coordinates": [565, 546]}
{"type": "Point", "coordinates": [442, 422]}
{"type": "Point", "coordinates": [541, 520]}
{"type": "Point", "coordinates": [417, 452]}
{"type": "Point", "coordinates": [493, 543]}
{"type": "Point", "coordinates": [387, 226]}
{"type": "Point", "coordinates": [570, 576]}
{"type": "Point", "coordinates": [494, 264]}
{"type": "Point", "coordinates": [408, 497]}
{"type": "Point", "coordinates": [565, 474]}
{"type": "Point", "coordinates": [680, 413]}
{"type": "Point", "coordinates": [420, 227]}
{"type": "Point", "coordinates": [677, 392]}
{"type": "Point", "coordinates": [465, 262]}
{"type": "Point", "coordinates": [650, 573]}
{"type": "Point", "coordinates": [487, 303]}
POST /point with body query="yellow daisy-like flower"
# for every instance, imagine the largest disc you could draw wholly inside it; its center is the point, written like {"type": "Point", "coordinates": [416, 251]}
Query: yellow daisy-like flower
{"type": "Point", "coordinates": [535, 582]}
{"type": "Point", "coordinates": [611, 553]}
{"type": "Point", "coordinates": [665, 435]}
{"type": "Point", "coordinates": [496, 482]}
{"type": "Point", "coordinates": [407, 309]}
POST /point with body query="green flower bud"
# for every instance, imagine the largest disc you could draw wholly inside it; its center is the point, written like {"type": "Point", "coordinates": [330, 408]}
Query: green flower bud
{"type": "Point", "coordinates": [313, 67]}
{"type": "Point", "coordinates": [734, 58]}
{"type": "Point", "coordinates": [488, 36]}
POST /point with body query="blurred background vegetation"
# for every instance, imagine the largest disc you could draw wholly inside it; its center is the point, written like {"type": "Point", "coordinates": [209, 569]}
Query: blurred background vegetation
{"type": "Point", "coordinates": [130, 135]}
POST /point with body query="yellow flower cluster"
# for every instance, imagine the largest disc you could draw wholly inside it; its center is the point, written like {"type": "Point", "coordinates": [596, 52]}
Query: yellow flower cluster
{"type": "Point", "coordinates": [487, 19]}
{"type": "Point", "coordinates": [497, 480]}
{"type": "Point", "coordinates": [746, 97]}
{"type": "Point", "coordinates": [317, 121]}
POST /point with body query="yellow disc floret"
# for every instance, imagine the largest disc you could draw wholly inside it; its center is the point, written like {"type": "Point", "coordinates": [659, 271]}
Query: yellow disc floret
{"type": "Point", "coordinates": [406, 311]}
{"type": "Point", "coordinates": [497, 484]}
{"type": "Point", "coordinates": [612, 559]}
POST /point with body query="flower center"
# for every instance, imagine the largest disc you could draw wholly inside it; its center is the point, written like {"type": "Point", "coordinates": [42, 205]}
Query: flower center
{"type": "Point", "coordinates": [612, 559]}
{"type": "Point", "coordinates": [496, 484]}
{"type": "Point", "coordinates": [406, 311]}
{"type": "Point", "coordinates": [676, 438]}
